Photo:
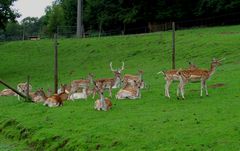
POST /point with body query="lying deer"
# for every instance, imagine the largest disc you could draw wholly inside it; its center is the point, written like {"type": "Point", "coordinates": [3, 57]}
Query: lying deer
{"type": "Point", "coordinates": [171, 75]}
{"type": "Point", "coordinates": [54, 100]}
{"type": "Point", "coordinates": [103, 103]}
{"type": "Point", "coordinates": [22, 88]}
{"type": "Point", "coordinates": [130, 91]}
{"type": "Point", "coordinates": [82, 84]}
{"type": "Point", "coordinates": [7, 92]}
{"type": "Point", "coordinates": [197, 75]}
{"type": "Point", "coordinates": [78, 95]}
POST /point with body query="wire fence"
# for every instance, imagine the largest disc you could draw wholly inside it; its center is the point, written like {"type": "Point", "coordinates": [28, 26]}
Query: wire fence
{"type": "Point", "coordinates": [70, 31]}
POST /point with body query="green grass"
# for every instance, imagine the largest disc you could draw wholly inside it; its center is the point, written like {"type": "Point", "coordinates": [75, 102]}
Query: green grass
{"type": "Point", "coordinates": [151, 123]}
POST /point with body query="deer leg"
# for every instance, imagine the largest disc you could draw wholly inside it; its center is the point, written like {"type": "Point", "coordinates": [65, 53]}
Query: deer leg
{"type": "Point", "coordinates": [110, 91]}
{"type": "Point", "coordinates": [168, 83]}
{"type": "Point", "coordinates": [201, 88]}
{"type": "Point", "coordinates": [182, 90]}
{"type": "Point", "coordinates": [205, 86]}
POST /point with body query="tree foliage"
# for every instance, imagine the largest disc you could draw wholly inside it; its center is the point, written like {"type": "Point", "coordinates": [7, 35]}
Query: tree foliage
{"type": "Point", "coordinates": [7, 14]}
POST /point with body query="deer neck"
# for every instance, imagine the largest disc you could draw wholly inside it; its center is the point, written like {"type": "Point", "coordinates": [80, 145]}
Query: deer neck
{"type": "Point", "coordinates": [117, 81]}
{"type": "Point", "coordinates": [212, 70]}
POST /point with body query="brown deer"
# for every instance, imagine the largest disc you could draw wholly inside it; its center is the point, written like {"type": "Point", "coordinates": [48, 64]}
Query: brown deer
{"type": "Point", "coordinates": [171, 75]}
{"type": "Point", "coordinates": [197, 75]}
{"type": "Point", "coordinates": [54, 100]}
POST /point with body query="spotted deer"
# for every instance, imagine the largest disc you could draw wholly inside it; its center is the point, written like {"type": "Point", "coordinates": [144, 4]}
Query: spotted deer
{"type": "Point", "coordinates": [102, 103]}
{"type": "Point", "coordinates": [129, 78]}
{"type": "Point", "coordinates": [82, 84]}
{"type": "Point", "coordinates": [197, 75]}
{"type": "Point", "coordinates": [130, 91]}
{"type": "Point", "coordinates": [171, 75]}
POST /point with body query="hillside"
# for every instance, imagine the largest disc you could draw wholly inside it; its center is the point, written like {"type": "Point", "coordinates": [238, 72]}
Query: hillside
{"type": "Point", "coordinates": [151, 123]}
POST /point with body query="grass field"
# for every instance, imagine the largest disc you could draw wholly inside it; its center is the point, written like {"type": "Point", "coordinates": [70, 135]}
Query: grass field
{"type": "Point", "coordinates": [151, 123]}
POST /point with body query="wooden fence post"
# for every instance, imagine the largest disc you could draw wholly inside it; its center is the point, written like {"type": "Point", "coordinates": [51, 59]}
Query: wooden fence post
{"type": "Point", "coordinates": [173, 46]}
{"type": "Point", "coordinates": [55, 63]}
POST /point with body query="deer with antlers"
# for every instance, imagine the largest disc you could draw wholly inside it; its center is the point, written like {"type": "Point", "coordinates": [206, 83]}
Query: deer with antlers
{"type": "Point", "coordinates": [171, 75]}
{"type": "Point", "coordinates": [130, 91]}
{"type": "Point", "coordinates": [197, 75]}
{"type": "Point", "coordinates": [109, 83]}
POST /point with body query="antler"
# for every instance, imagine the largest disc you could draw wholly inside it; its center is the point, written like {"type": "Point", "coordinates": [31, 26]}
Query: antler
{"type": "Point", "coordinates": [111, 67]}
{"type": "Point", "coordinates": [222, 59]}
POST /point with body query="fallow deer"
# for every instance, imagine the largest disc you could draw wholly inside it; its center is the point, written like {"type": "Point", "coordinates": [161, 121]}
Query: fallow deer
{"type": "Point", "coordinates": [102, 103]}
{"type": "Point", "coordinates": [130, 91]}
{"type": "Point", "coordinates": [7, 92]}
{"type": "Point", "coordinates": [81, 84]}
{"type": "Point", "coordinates": [197, 75]}
{"type": "Point", "coordinates": [171, 75]}
{"type": "Point", "coordinates": [22, 88]}
{"type": "Point", "coordinates": [109, 83]}
{"type": "Point", "coordinates": [54, 100]}
{"type": "Point", "coordinates": [129, 78]}
{"type": "Point", "coordinates": [78, 95]}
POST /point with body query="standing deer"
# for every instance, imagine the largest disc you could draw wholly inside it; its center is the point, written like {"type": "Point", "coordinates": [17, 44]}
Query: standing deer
{"type": "Point", "coordinates": [171, 75]}
{"type": "Point", "coordinates": [109, 83]}
{"type": "Point", "coordinates": [197, 75]}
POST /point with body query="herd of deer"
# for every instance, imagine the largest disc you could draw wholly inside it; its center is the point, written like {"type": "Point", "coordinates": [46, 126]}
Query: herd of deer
{"type": "Point", "coordinates": [129, 85]}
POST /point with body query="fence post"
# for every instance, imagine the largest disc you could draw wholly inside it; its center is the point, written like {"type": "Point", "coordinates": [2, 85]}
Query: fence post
{"type": "Point", "coordinates": [55, 63]}
{"type": "Point", "coordinates": [173, 46]}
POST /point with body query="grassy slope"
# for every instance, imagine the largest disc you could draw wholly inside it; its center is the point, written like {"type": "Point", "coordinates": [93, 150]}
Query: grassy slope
{"type": "Point", "coordinates": [153, 122]}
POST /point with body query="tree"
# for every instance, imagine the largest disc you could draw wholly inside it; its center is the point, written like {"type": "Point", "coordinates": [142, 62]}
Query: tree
{"type": "Point", "coordinates": [7, 14]}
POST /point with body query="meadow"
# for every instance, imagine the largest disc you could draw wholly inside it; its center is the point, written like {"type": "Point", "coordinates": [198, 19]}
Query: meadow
{"type": "Point", "coordinates": [153, 122]}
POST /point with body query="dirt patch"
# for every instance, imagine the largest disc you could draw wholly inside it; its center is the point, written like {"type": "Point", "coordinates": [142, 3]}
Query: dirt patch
{"type": "Point", "coordinates": [218, 85]}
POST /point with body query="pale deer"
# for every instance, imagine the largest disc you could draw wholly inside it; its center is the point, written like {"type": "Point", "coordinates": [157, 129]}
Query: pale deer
{"type": "Point", "coordinates": [130, 91]}
{"type": "Point", "coordinates": [7, 92]}
{"type": "Point", "coordinates": [82, 84]}
{"type": "Point", "coordinates": [109, 83]}
{"type": "Point", "coordinates": [22, 88]}
{"type": "Point", "coordinates": [129, 78]}
{"type": "Point", "coordinates": [171, 75]}
{"type": "Point", "coordinates": [78, 95]}
{"type": "Point", "coordinates": [197, 75]}
{"type": "Point", "coordinates": [102, 103]}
